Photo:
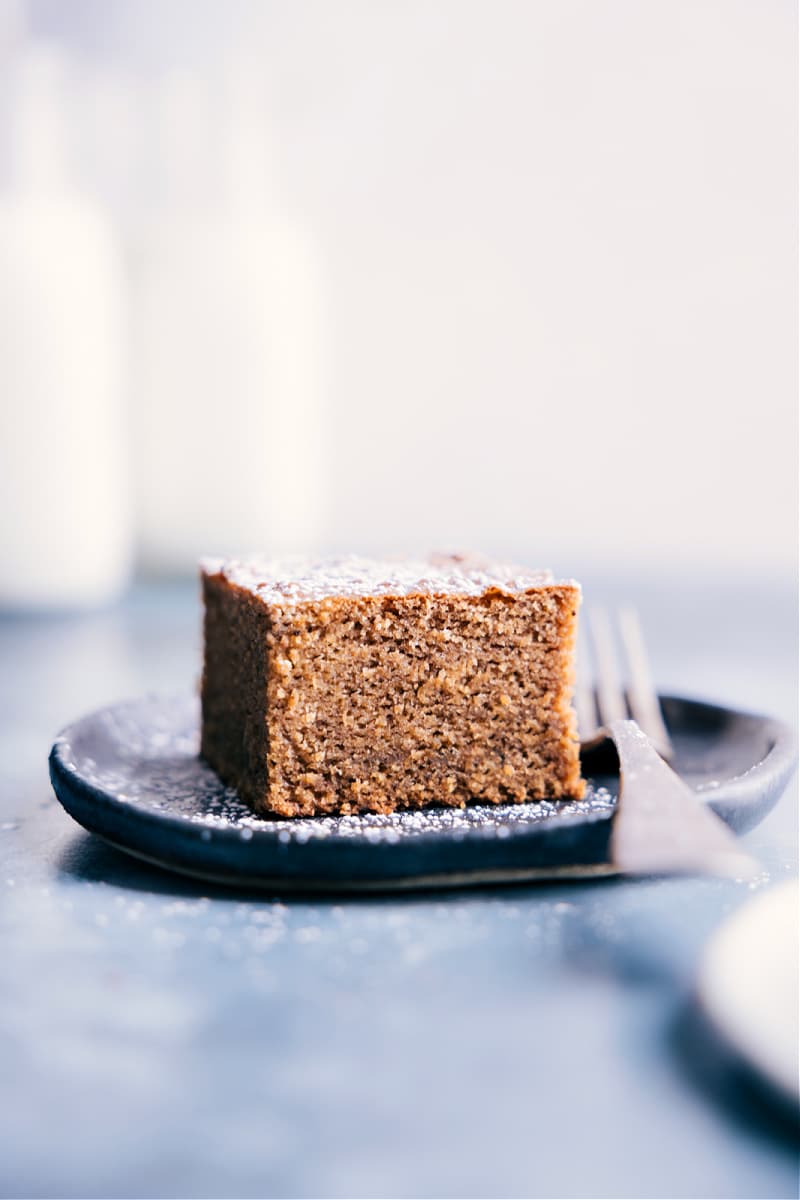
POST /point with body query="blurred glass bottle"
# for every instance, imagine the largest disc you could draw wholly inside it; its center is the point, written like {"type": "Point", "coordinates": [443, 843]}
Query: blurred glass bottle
{"type": "Point", "coordinates": [65, 533]}
{"type": "Point", "coordinates": [225, 340]}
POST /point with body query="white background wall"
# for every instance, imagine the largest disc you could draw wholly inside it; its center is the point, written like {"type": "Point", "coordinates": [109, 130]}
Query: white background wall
{"type": "Point", "coordinates": [562, 250]}
{"type": "Point", "coordinates": [556, 243]}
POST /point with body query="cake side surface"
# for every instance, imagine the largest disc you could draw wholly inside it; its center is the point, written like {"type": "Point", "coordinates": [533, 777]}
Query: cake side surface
{"type": "Point", "coordinates": [234, 735]}
{"type": "Point", "coordinates": [347, 702]}
{"type": "Point", "coordinates": [383, 704]}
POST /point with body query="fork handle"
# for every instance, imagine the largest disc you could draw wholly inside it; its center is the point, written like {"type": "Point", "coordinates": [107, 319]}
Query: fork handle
{"type": "Point", "coordinates": [661, 825]}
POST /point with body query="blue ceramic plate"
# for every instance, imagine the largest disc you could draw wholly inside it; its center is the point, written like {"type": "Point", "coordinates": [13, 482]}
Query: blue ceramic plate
{"type": "Point", "coordinates": [131, 773]}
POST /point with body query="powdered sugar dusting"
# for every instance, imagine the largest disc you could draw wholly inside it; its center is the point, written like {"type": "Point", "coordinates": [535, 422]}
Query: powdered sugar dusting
{"type": "Point", "coordinates": [297, 579]}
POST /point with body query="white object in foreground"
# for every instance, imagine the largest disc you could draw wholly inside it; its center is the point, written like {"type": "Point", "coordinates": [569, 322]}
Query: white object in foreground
{"type": "Point", "coordinates": [748, 985]}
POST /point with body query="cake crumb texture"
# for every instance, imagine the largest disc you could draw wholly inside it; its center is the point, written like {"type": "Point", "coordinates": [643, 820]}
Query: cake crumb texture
{"type": "Point", "coordinates": [321, 699]}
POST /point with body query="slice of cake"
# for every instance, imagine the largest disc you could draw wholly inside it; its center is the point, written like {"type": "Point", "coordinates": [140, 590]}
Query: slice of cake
{"type": "Point", "coordinates": [349, 685]}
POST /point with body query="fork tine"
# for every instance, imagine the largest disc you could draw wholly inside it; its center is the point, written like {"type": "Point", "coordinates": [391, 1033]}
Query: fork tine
{"type": "Point", "coordinates": [642, 695]}
{"type": "Point", "coordinates": [585, 707]}
{"type": "Point", "coordinates": [610, 696]}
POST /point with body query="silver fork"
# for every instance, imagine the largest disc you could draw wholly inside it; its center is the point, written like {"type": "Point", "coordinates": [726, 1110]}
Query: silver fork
{"type": "Point", "coordinates": [660, 824]}
{"type": "Point", "coordinates": [608, 700]}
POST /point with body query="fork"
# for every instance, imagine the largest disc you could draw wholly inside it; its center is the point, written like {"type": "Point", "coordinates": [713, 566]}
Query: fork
{"type": "Point", "coordinates": [660, 824]}
{"type": "Point", "coordinates": [609, 701]}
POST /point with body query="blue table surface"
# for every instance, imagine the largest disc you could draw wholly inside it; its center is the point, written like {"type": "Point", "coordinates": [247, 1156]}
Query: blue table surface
{"type": "Point", "coordinates": [159, 1037]}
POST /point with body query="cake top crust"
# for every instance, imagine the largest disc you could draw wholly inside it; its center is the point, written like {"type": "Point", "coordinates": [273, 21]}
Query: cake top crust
{"type": "Point", "coordinates": [297, 580]}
